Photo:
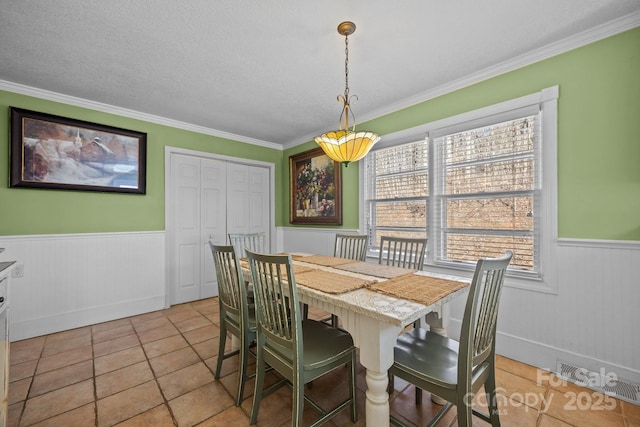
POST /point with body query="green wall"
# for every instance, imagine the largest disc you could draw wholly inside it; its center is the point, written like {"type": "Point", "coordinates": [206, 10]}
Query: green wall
{"type": "Point", "coordinates": [35, 211]}
{"type": "Point", "coordinates": [598, 150]}
{"type": "Point", "coordinates": [349, 190]}
{"type": "Point", "coordinates": [598, 133]}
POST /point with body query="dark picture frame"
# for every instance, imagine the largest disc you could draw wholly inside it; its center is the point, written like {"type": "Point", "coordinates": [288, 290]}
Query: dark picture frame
{"type": "Point", "coordinates": [315, 189]}
{"type": "Point", "coordinates": [54, 152]}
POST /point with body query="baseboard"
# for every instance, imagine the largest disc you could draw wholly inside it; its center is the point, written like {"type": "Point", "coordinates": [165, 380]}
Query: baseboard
{"type": "Point", "coordinates": [545, 357]}
{"type": "Point", "coordinates": [75, 319]}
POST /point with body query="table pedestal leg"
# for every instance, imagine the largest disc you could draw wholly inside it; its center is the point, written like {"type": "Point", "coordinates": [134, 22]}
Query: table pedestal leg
{"type": "Point", "coordinates": [436, 325]}
{"type": "Point", "coordinates": [377, 404]}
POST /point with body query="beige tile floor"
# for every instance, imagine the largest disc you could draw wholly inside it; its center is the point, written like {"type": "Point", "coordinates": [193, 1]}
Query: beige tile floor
{"type": "Point", "coordinates": [157, 370]}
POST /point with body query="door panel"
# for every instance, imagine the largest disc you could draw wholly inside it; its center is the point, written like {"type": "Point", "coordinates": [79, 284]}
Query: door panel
{"type": "Point", "coordinates": [185, 186]}
{"type": "Point", "coordinates": [238, 207]}
{"type": "Point", "coordinates": [210, 198]}
{"type": "Point", "coordinates": [214, 219]}
{"type": "Point", "coordinates": [259, 209]}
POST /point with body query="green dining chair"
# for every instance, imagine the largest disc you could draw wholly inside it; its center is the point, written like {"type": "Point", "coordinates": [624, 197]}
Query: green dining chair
{"type": "Point", "coordinates": [456, 370]}
{"type": "Point", "coordinates": [349, 246]}
{"type": "Point", "coordinates": [300, 350]}
{"type": "Point", "coordinates": [403, 252]}
{"type": "Point", "coordinates": [237, 316]}
{"type": "Point", "coordinates": [253, 241]}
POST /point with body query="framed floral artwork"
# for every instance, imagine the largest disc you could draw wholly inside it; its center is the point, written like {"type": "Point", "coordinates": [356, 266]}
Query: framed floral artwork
{"type": "Point", "coordinates": [315, 189]}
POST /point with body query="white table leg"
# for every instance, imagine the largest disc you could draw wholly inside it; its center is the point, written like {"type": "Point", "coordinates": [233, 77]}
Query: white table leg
{"type": "Point", "coordinates": [377, 404]}
{"type": "Point", "coordinates": [376, 340]}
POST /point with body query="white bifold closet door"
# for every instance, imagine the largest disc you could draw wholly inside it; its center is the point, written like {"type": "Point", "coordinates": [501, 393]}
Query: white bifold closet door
{"type": "Point", "coordinates": [209, 199]}
{"type": "Point", "coordinates": [247, 199]}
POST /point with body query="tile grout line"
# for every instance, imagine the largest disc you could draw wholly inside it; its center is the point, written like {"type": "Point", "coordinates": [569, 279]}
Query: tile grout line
{"type": "Point", "coordinates": [95, 383]}
{"type": "Point", "coordinates": [47, 340]}
{"type": "Point", "coordinates": [198, 354]}
{"type": "Point", "coordinates": [33, 377]}
{"type": "Point", "coordinates": [165, 402]}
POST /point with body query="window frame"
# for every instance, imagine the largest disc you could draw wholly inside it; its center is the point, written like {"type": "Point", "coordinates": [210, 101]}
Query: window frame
{"type": "Point", "coordinates": [543, 104]}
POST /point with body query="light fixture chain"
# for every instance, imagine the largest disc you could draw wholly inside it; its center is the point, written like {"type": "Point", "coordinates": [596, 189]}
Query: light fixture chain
{"type": "Point", "coordinates": [346, 67]}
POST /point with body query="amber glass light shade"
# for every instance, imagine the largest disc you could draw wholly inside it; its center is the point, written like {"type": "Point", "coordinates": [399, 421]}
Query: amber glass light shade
{"type": "Point", "coordinates": [346, 146]}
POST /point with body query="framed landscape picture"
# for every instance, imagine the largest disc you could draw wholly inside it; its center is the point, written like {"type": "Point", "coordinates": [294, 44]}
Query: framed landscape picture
{"type": "Point", "coordinates": [315, 189]}
{"type": "Point", "coordinates": [56, 152]}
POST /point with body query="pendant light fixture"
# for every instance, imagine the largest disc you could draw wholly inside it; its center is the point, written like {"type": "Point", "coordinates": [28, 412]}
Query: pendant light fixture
{"type": "Point", "coordinates": [345, 145]}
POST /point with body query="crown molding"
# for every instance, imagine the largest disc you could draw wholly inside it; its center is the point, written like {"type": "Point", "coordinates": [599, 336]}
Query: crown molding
{"type": "Point", "coordinates": [586, 37]}
{"type": "Point", "coordinates": [592, 35]}
{"type": "Point", "coordinates": [112, 109]}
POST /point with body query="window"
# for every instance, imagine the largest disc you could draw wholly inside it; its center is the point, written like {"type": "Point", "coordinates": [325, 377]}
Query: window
{"type": "Point", "coordinates": [486, 201]}
{"type": "Point", "coordinates": [473, 185]}
{"type": "Point", "coordinates": [398, 187]}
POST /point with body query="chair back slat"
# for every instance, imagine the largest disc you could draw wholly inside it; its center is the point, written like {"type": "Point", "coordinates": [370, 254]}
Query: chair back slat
{"type": "Point", "coordinates": [255, 242]}
{"type": "Point", "coordinates": [402, 252]}
{"type": "Point", "coordinates": [277, 310]}
{"type": "Point", "coordinates": [477, 341]}
{"type": "Point", "coordinates": [351, 246]}
{"type": "Point", "coordinates": [232, 293]}
{"type": "Point", "coordinates": [488, 313]}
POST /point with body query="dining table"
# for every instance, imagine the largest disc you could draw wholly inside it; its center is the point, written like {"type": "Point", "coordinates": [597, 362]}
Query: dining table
{"type": "Point", "coordinates": [374, 304]}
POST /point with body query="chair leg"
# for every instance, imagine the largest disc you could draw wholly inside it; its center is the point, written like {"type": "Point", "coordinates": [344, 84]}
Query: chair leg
{"type": "Point", "coordinates": [490, 389]}
{"type": "Point", "coordinates": [390, 383]}
{"type": "Point", "coordinates": [257, 394]}
{"type": "Point", "coordinates": [305, 311]}
{"type": "Point", "coordinates": [298, 401]}
{"type": "Point", "coordinates": [465, 414]}
{"type": "Point", "coordinates": [334, 321]}
{"type": "Point", "coordinates": [221, 345]}
{"type": "Point", "coordinates": [242, 371]}
{"type": "Point", "coordinates": [418, 396]}
{"type": "Point", "coordinates": [352, 389]}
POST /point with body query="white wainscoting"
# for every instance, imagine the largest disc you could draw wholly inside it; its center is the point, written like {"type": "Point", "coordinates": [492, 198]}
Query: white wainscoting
{"type": "Point", "coordinates": [81, 279]}
{"type": "Point", "coordinates": [311, 240]}
{"type": "Point", "coordinates": [592, 322]}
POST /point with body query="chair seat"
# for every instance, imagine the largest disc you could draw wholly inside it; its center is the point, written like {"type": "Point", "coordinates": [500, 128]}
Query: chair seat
{"type": "Point", "coordinates": [324, 344]}
{"type": "Point", "coordinates": [427, 355]}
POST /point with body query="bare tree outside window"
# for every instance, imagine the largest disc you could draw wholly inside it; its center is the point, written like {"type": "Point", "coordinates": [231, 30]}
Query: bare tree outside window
{"type": "Point", "coordinates": [485, 199]}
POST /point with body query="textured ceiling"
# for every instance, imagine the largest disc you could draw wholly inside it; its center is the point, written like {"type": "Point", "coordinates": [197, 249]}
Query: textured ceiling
{"type": "Point", "coordinates": [271, 70]}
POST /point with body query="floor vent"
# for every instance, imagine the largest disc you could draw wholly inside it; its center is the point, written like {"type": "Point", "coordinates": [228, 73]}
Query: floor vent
{"type": "Point", "coordinates": [603, 382]}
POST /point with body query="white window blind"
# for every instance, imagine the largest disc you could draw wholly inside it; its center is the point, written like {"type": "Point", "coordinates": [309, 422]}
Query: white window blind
{"type": "Point", "coordinates": [487, 188]}
{"type": "Point", "coordinates": [397, 192]}
{"type": "Point", "coordinates": [479, 183]}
